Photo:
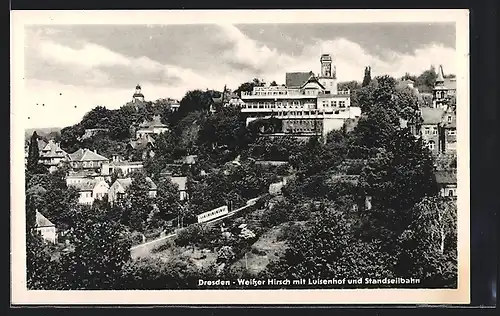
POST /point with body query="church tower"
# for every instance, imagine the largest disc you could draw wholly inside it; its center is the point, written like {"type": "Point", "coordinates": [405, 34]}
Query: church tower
{"type": "Point", "coordinates": [440, 92]}
{"type": "Point", "coordinates": [138, 96]}
{"type": "Point", "coordinates": [328, 75]}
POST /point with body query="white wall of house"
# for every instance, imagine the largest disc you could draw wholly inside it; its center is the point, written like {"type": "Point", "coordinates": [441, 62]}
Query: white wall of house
{"type": "Point", "coordinates": [48, 233]}
{"type": "Point", "coordinates": [86, 198]}
{"type": "Point", "coordinates": [100, 190]}
{"type": "Point", "coordinates": [114, 191]}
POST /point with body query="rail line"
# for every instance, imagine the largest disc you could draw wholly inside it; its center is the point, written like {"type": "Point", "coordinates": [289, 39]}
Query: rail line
{"type": "Point", "coordinates": [136, 250]}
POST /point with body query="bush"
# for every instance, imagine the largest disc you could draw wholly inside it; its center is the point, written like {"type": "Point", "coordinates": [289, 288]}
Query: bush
{"type": "Point", "coordinates": [258, 252]}
{"type": "Point", "coordinates": [290, 232]}
{"type": "Point", "coordinates": [199, 235]}
{"type": "Point", "coordinates": [277, 215]}
{"type": "Point", "coordinates": [135, 238]}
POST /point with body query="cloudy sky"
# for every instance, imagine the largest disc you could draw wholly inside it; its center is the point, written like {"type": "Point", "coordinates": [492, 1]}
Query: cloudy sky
{"type": "Point", "coordinates": [71, 69]}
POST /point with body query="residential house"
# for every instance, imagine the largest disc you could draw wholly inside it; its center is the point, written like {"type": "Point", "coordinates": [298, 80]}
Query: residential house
{"type": "Point", "coordinates": [86, 159]}
{"type": "Point", "coordinates": [118, 189]}
{"type": "Point", "coordinates": [447, 182]}
{"type": "Point", "coordinates": [91, 190]}
{"type": "Point", "coordinates": [144, 146]}
{"type": "Point", "coordinates": [52, 155]}
{"type": "Point", "coordinates": [449, 132]}
{"type": "Point", "coordinates": [117, 164]}
{"type": "Point", "coordinates": [155, 126]}
{"type": "Point", "coordinates": [181, 183]}
{"type": "Point", "coordinates": [444, 89]}
{"type": "Point", "coordinates": [80, 176]}
{"type": "Point", "coordinates": [430, 127]}
{"type": "Point", "coordinates": [45, 228]}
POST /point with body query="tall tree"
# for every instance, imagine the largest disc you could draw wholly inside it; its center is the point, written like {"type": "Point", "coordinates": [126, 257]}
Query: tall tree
{"type": "Point", "coordinates": [100, 251]}
{"type": "Point", "coordinates": [367, 77]}
{"type": "Point", "coordinates": [139, 204]}
{"type": "Point", "coordinates": [33, 153]}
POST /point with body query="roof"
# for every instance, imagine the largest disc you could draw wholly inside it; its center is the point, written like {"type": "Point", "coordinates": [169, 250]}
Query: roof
{"type": "Point", "coordinates": [41, 144]}
{"type": "Point", "coordinates": [297, 79]}
{"type": "Point", "coordinates": [126, 182]}
{"type": "Point", "coordinates": [180, 181]}
{"type": "Point", "coordinates": [431, 115]}
{"type": "Point", "coordinates": [52, 149]}
{"type": "Point", "coordinates": [82, 174]}
{"type": "Point", "coordinates": [155, 122]}
{"type": "Point", "coordinates": [126, 163]}
{"type": "Point", "coordinates": [86, 155]}
{"type": "Point", "coordinates": [312, 79]}
{"type": "Point", "coordinates": [42, 221]}
{"type": "Point", "coordinates": [446, 177]}
{"type": "Point", "coordinates": [440, 74]}
{"type": "Point", "coordinates": [85, 185]}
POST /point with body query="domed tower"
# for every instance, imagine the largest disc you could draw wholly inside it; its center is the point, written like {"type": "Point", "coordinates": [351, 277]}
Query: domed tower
{"type": "Point", "coordinates": [138, 96]}
{"type": "Point", "coordinates": [328, 76]}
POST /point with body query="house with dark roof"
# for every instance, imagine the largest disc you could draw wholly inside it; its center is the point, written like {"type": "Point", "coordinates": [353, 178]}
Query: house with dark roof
{"type": "Point", "coordinates": [447, 182]}
{"type": "Point", "coordinates": [87, 159]}
{"type": "Point", "coordinates": [118, 189]}
{"type": "Point", "coordinates": [45, 228]}
{"type": "Point", "coordinates": [154, 126]}
{"type": "Point", "coordinates": [117, 164]}
{"type": "Point", "coordinates": [91, 190]}
{"type": "Point", "coordinates": [52, 155]}
{"type": "Point", "coordinates": [297, 79]}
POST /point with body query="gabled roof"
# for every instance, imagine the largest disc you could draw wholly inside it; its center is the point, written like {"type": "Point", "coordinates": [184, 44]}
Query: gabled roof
{"type": "Point", "coordinates": [431, 115]}
{"type": "Point", "coordinates": [180, 181]}
{"type": "Point", "coordinates": [446, 177]}
{"type": "Point", "coordinates": [86, 155]}
{"type": "Point", "coordinates": [41, 144]}
{"type": "Point", "coordinates": [155, 122]}
{"type": "Point", "coordinates": [42, 221]}
{"type": "Point", "coordinates": [314, 80]}
{"type": "Point", "coordinates": [126, 182]}
{"type": "Point", "coordinates": [297, 79]}
{"type": "Point", "coordinates": [85, 185]}
{"type": "Point", "coordinates": [52, 149]}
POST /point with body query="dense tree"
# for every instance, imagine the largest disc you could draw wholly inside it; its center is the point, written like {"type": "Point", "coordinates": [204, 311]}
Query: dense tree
{"type": "Point", "coordinates": [273, 84]}
{"type": "Point", "coordinates": [100, 251]}
{"type": "Point", "coordinates": [193, 101]}
{"type": "Point", "coordinates": [367, 77]}
{"type": "Point", "coordinates": [138, 203]}
{"type": "Point", "coordinates": [428, 248]}
{"type": "Point", "coordinates": [98, 117]}
{"type": "Point", "coordinates": [33, 153]}
{"type": "Point", "coordinates": [248, 86]}
{"type": "Point", "coordinates": [223, 135]}
{"type": "Point", "coordinates": [167, 199]}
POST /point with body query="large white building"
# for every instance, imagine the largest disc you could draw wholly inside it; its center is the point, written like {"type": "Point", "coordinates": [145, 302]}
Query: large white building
{"type": "Point", "coordinates": [306, 105]}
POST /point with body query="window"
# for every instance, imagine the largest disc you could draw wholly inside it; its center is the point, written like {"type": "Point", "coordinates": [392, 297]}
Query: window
{"type": "Point", "coordinates": [451, 192]}
{"type": "Point", "coordinates": [342, 104]}
{"type": "Point", "coordinates": [431, 145]}
{"type": "Point", "coordinates": [452, 132]}
{"type": "Point", "coordinates": [427, 131]}
{"type": "Point", "coordinates": [435, 131]}
{"type": "Point", "coordinates": [334, 103]}
{"type": "Point", "coordinates": [449, 118]}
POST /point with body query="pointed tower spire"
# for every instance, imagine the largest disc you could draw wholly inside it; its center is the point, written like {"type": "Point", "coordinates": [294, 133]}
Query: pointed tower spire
{"type": "Point", "coordinates": [440, 74]}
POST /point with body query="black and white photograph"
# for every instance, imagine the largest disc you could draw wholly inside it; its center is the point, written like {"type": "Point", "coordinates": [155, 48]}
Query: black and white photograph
{"type": "Point", "coordinates": [221, 153]}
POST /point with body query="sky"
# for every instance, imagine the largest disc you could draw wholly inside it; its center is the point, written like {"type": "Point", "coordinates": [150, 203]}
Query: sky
{"type": "Point", "coordinates": [70, 69]}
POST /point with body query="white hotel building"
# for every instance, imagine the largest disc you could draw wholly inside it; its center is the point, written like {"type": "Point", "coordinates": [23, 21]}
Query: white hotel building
{"type": "Point", "coordinates": [306, 105]}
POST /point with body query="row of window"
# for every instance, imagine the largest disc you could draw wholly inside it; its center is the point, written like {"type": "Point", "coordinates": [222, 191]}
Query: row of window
{"type": "Point", "coordinates": [333, 103]}
{"type": "Point", "coordinates": [278, 104]}
{"type": "Point", "coordinates": [434, 131]}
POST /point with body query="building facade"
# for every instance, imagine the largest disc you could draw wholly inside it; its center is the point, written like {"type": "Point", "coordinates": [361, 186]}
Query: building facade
{"type": "Point", "coordinates": [86, 159]}
{"type": "Point", "coordinates": [117, 164]}
{"type": "Point", "coordinates": [45, 228]}
{"type": "Point", "coordinates": [306, 105]}
{"type": "Point", "coordinates": [52, 155]}
{"type": "Point", "coordinates": [90, 190]}
{"type": "Point", "coordinates": [155, 126]}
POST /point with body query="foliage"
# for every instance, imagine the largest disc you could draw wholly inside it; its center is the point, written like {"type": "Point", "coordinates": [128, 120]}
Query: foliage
{"type": "Point", "coordinates": [33, 153]}
{"type": "Point", "coordinates": [167, 199]}
{"type": "Point", "coordinates": [428, 248]}
{"type": "Point", "coordinates": [200, 235]}
{"type": "Point", "coordinates": [138, 203]}
{"type": "Point", "coordinates": [100, 251]}
{"type": "Point", "coordinates": [367, 77]}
